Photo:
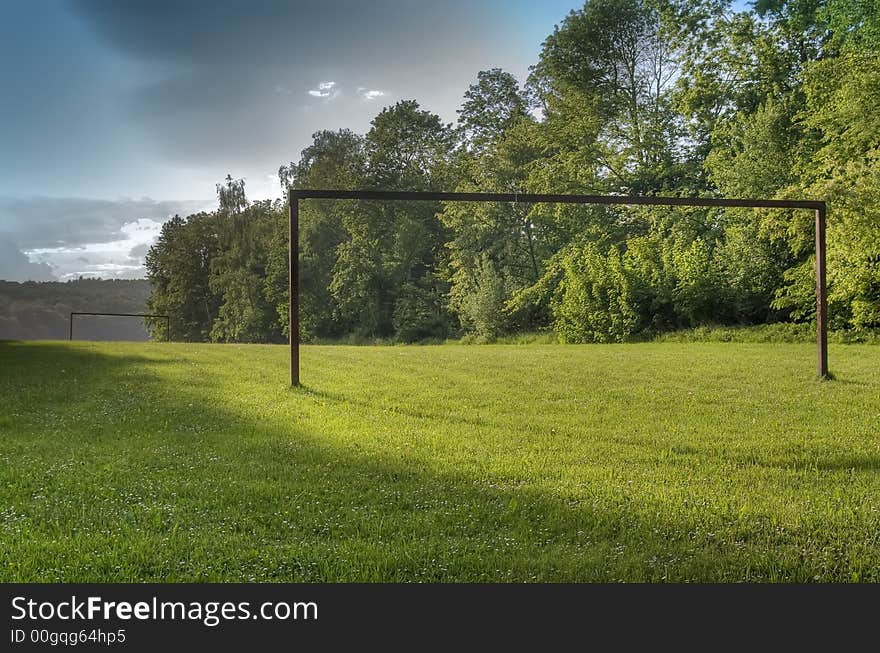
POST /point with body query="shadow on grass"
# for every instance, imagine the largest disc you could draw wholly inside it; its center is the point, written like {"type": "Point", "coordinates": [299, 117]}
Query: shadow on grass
{"type": "Point", "coordinates": [800, 462]}
{"type": "Point", "coordinates": [217, 494]}
{"type": "Point", "coordinates": [842, 381]}
{"type": "Point", "coordinates": [835, 463]}
{"type": "Point", "coordinates": [59, 372]}
{"type": "Point", "coordinates": [394, 407]}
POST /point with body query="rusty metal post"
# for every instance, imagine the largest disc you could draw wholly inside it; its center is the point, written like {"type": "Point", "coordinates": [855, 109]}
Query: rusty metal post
{"type": "Point", "coordinates": [293, 271]}
{"type": "Point", "coordinates": [821, 294]}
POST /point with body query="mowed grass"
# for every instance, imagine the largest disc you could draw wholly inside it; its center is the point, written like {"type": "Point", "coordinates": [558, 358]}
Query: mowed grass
{"type": "Point", "coordinates": [642, 462]}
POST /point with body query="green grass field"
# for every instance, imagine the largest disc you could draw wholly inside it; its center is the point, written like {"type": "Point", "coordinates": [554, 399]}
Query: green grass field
{"type": "Point", "coordinates": [642, 462]}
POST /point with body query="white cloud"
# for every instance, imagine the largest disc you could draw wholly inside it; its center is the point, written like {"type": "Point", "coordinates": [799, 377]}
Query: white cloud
{"type": "Point", "coordinates": [325, 89]}
{"type": "Point", "coordinates": [106, 271]}
{"type": "Point", "coordinates": [264, 187]}
{"type": "Point", "coordinates": [368, 94]}
{"type": "Point", "coordinates": [122, 258]}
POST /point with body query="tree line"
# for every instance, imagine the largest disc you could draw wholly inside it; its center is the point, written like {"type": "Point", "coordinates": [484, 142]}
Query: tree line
{"type": "Point", "coordinates": [641, 97]}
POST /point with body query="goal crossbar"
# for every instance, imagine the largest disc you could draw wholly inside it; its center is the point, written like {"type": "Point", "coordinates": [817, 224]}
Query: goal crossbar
{"type": "Point", "coordinates": [296, 195]}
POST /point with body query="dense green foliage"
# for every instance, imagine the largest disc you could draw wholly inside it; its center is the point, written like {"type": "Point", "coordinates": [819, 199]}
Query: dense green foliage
{"type": "Point", "coordinates": [41, 310]}
{"type": "Point", "coordinates": [628, 97]}
{"type": "Point", "coordinates": [637, 462]}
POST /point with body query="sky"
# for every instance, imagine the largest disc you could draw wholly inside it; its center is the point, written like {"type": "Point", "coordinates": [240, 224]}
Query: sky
{"type": "Point", "coordinates": [114, 116]}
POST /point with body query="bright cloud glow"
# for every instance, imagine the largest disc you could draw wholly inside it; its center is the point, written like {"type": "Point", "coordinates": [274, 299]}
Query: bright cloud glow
{"type": "Point", "coordinates": [325, 89]}
{"type": "Point", "coordinates": [368, 94]}
{"type": "Point", "coordinates": [266, 187]}
{"type": "Point", "coordinates": [121, 258]}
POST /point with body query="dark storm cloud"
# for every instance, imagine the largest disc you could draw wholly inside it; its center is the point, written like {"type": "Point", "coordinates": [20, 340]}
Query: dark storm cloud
{"type": "Point", "coordinates": [15, 265]}
{"type": "Point", "coordinates": [44, 222]}
{"type": "Point", "coordinates": [284, 33]}
{"type": "Point", "coordinates": [230, 81]}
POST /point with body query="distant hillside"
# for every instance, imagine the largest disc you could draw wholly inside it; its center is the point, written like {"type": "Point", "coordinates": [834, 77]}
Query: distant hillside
{"type": "Point", "coordinates": [41, 310]}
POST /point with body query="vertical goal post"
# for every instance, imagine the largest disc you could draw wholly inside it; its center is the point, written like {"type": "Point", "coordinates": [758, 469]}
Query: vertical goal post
{"type": "Point", "coordinates": [296, 195]}
{"type": "Point", "coordinates": [167, 319]}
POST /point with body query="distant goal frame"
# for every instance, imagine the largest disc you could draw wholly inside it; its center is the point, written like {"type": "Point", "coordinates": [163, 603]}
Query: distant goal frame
{"type": "Point", "coordinates": [167, 319]}
{"type": "Point", "coordinates": [295, 196]}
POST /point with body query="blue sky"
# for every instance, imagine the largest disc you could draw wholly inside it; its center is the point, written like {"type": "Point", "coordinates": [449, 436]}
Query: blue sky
{"type": "Point", "coordinates": [116, 115]}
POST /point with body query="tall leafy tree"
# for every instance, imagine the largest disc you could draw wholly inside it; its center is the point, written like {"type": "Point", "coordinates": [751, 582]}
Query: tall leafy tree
{"type": "Point", "coordinates": [843, 96]}
{"type": "Point", "coordinates": [495, 249]}
{"type": "Point", "coordinates": [334, 160]}
{"type": "Point", "coordinates": [617, 61]}
{"type": "Point", "coordinates": [385, 277]}
{"type": "Point", "coordinates": [238, 273]}
{"type": "Point", "coordinates": [492, 105]}
{"type": "Point", "coordinates": [179, 269]}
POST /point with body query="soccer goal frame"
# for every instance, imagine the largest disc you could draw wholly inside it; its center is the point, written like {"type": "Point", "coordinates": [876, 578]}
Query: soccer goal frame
{"type": "Point", "coordinates": [295, 196]}
{"type": "Point", "coordinates": [167, 319]}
